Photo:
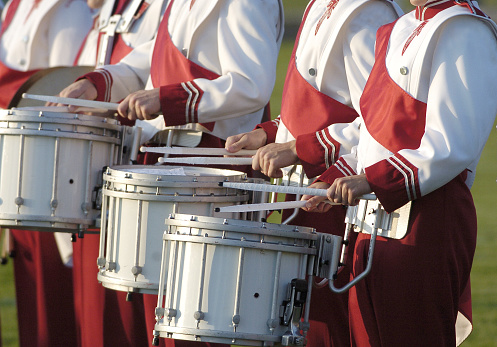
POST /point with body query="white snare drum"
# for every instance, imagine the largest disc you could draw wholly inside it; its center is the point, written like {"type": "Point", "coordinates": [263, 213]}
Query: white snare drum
{"type": "Point", "coordinates": [138, 200]}
{"type": "Point", "coordinates": [229, 281]}
{"type": "Point", "coordinates": [50, 163]}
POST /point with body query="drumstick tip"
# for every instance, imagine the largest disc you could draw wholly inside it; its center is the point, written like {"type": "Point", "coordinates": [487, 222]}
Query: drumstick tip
{"type": "Point", "coordinates": [220, 184]}
{"type": "Point", "coordinates": [217, 209]}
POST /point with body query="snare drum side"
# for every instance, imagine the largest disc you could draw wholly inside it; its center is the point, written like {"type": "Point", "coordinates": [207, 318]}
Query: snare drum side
{"type": "Point", "coordinates": [49, 168]}
{"type": "Point", "coordinates": [225, 281]}
{"type": "Point", "coordinates": [137, 200]}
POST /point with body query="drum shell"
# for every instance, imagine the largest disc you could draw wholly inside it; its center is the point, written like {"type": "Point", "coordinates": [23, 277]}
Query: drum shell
{"type": "Point", "coordinates": [137, 201]}
{"type": "Point", "coordinates": [271, 258]}
{"type": "Point", "coordinates": [50, 165]}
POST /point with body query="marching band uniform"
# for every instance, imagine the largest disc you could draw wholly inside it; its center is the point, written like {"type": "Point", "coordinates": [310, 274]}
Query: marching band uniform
{"type": "Point", "coordinates": [37, 35]}
{"type": "Point", "coordinates": [427, 111]}
{"type": "Point", "coordinates": [104, 317]}
{"type": "Point", "coordinates": [224, 57]}
{"type": "Point", "coordinates": [230, 94]}
{"type": "Point", "coordinates": [332, 58]}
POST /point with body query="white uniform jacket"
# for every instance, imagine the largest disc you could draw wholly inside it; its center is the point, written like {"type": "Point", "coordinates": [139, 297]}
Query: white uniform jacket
{"type": "Point", "coordinates": [335, 55]}
{"type": "Point", "coordinates": [237, 39]}
{"type": "Point", "coordinates": [47, 35]}
{"type": "Point", "coordinates": [447, 62]}
{"type": "Point", "coordinates": [142, 29]}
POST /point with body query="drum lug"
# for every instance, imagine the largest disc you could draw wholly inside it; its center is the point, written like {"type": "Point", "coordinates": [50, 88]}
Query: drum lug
{"type": "Point", "coordinates": [136, 270]}
{"type": "Point", "coordinates": [159, 313]}
{"type": "Point", "coordinates": [111, 265]}
{"type": "Point", "coordinates": [19, 201]}
{"type": "Point", "coordinates": [101, 262]}
{"type": "Point", "coordinates": [198, 315]}
{"type": "Point", "coordinates": [170, 313]}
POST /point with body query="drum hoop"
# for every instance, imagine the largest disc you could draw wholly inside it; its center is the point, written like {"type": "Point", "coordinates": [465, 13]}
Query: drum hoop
{"type": "Point", "coordinates": [216, 333]}
{"type": "Point", "coordinates": [19, 219]}
{"type": "Point", "coordinates": [176, 182]}
{"type": "Point", "coordinates": [218, 241]}
{"type": "Point", "coordinates": [175, 197]}
{"type": "Point", "coordinates": [243, 226]}
{"type": "Point", "coordinates": [75, 120]}
{"type": "Point", "coordinates": [62, 134]}
{"type": "Point", "coordinates": [122, 285]}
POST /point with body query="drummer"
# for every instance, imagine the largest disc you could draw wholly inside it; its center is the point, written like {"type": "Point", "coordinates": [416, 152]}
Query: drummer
{"type": "Point", "coordinates": [104, 316]}
{"type": "Point", "coordinates": [427, 111]}
{"type": "Point", "coordinates": [36, 35]}
{"type": "Point", "coordinates": [332, 58]}
{"type": "Point", "coordinates": [224, 57]}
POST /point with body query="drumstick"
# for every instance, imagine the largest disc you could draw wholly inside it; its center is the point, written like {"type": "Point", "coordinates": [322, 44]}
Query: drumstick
{"type": "Point", "coordinates": [207, 161]}
{"type": "Point", "coordinates": [283, 189]}
{"type": "Point", "coordinates": [196, 151]}
{"type": "Point", "coordinates": [269, 206]}
{"type": "Point", "coordinates": [72, 101]}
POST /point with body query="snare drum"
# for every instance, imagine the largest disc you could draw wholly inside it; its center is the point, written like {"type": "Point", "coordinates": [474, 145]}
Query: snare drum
{"type": "Point", "coordinates": [50, 166]}
{"type": "Point", "coordinates": [138, 199]}
{"type": "Point", "coordinates": [234, 281]}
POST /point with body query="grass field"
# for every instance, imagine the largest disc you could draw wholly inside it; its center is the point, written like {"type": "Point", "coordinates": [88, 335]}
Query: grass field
{"type": "Point", "coordinates": [484, 274]}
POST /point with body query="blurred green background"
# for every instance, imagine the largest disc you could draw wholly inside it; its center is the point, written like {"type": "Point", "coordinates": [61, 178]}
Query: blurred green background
{"type": "Point", "coordinates": [484, 274]}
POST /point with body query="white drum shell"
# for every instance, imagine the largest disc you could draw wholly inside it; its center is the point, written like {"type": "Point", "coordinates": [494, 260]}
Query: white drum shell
{"type": "Point", "coordinates": [259, 275]}
{"type": "Point", "coordinates": [50, 163]}
{"type": "Point", "coordinates": [138, 199]}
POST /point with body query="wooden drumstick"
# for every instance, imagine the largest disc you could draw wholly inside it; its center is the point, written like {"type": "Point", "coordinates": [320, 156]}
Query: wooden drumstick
{"type": "Point", "coordinates": [283, 189]}
{"type": "Point", "coordinates": [269, 206]}
{"type": "Point", "coordinates": [72, 101]}
{"type": "Point", "coordinates": [207, 161]}
{"type": "Point", "coordinates": [196, 151]}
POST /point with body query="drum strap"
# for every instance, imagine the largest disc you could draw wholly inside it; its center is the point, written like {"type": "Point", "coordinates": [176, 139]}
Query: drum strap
{"type": "Point", "coordinates": [110, 25]}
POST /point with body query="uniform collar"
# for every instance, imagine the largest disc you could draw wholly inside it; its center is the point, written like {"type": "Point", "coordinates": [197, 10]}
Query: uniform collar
{"type": "Point", "coordinates": [431, 8]}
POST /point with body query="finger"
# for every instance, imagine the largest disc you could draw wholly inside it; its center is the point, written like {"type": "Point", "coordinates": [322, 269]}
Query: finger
{"type": "Point", "coordinates": [72, 108]}
{"type": "Point", "coordinates": [232, 143]}
{"type": "Point", "coordinates": [314, 201]}
{"type": "Point", "coordinates": [122, 108]}
{"type": "Point", "coordinates": [274, 171]}
{"type": "Point", "coordinates": [256, 165]}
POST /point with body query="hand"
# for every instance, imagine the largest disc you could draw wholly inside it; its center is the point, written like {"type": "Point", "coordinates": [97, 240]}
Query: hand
{"type": "Point", "coordinates": [144, 105]}
{"type": "Point", "coordinates": [316, 203]}
{"type": "Point", "coordinates": [348, 190]}
{"type": "Point", "coordinates": [272, 157]}
{"type": "Point", "coordinates": [251, 140]}
{"type": "Point", "coordinates": [82, 89]}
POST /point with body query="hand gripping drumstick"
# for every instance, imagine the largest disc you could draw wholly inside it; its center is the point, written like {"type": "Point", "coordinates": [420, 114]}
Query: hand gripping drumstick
{"type": "Point", "coordinates": [283, 189]}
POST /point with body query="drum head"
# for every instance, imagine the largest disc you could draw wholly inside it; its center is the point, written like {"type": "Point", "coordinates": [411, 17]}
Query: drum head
{"type": "Point", "coordinates": [47, 82]}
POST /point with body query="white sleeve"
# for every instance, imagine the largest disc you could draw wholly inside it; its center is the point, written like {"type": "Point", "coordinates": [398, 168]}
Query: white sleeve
{"type": "Point", "coordinates": [359, 44]}
{"type": "Point", "coordinates": [66, 30]}
{"type": "Point", "coordinates": [248, 45]}
{"type": "Point", "coordinates": [132, 72]}
{"type": "Point", "coordinates": [461, 103]}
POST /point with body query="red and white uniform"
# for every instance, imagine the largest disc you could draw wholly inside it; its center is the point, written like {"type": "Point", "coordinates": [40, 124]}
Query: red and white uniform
{"type": "Point", "coordinates": [215, 64]}
{"type": "Point", "coordinates": [236, 40]}
{"type": "Point", "coordinates": [104, 317]}
{"type": "Point", "coordinates": [332, 58]}
{"type": "Point", "coordinates": [427, 109]}
{"type": "Point", "coordinates": [37, 35]}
